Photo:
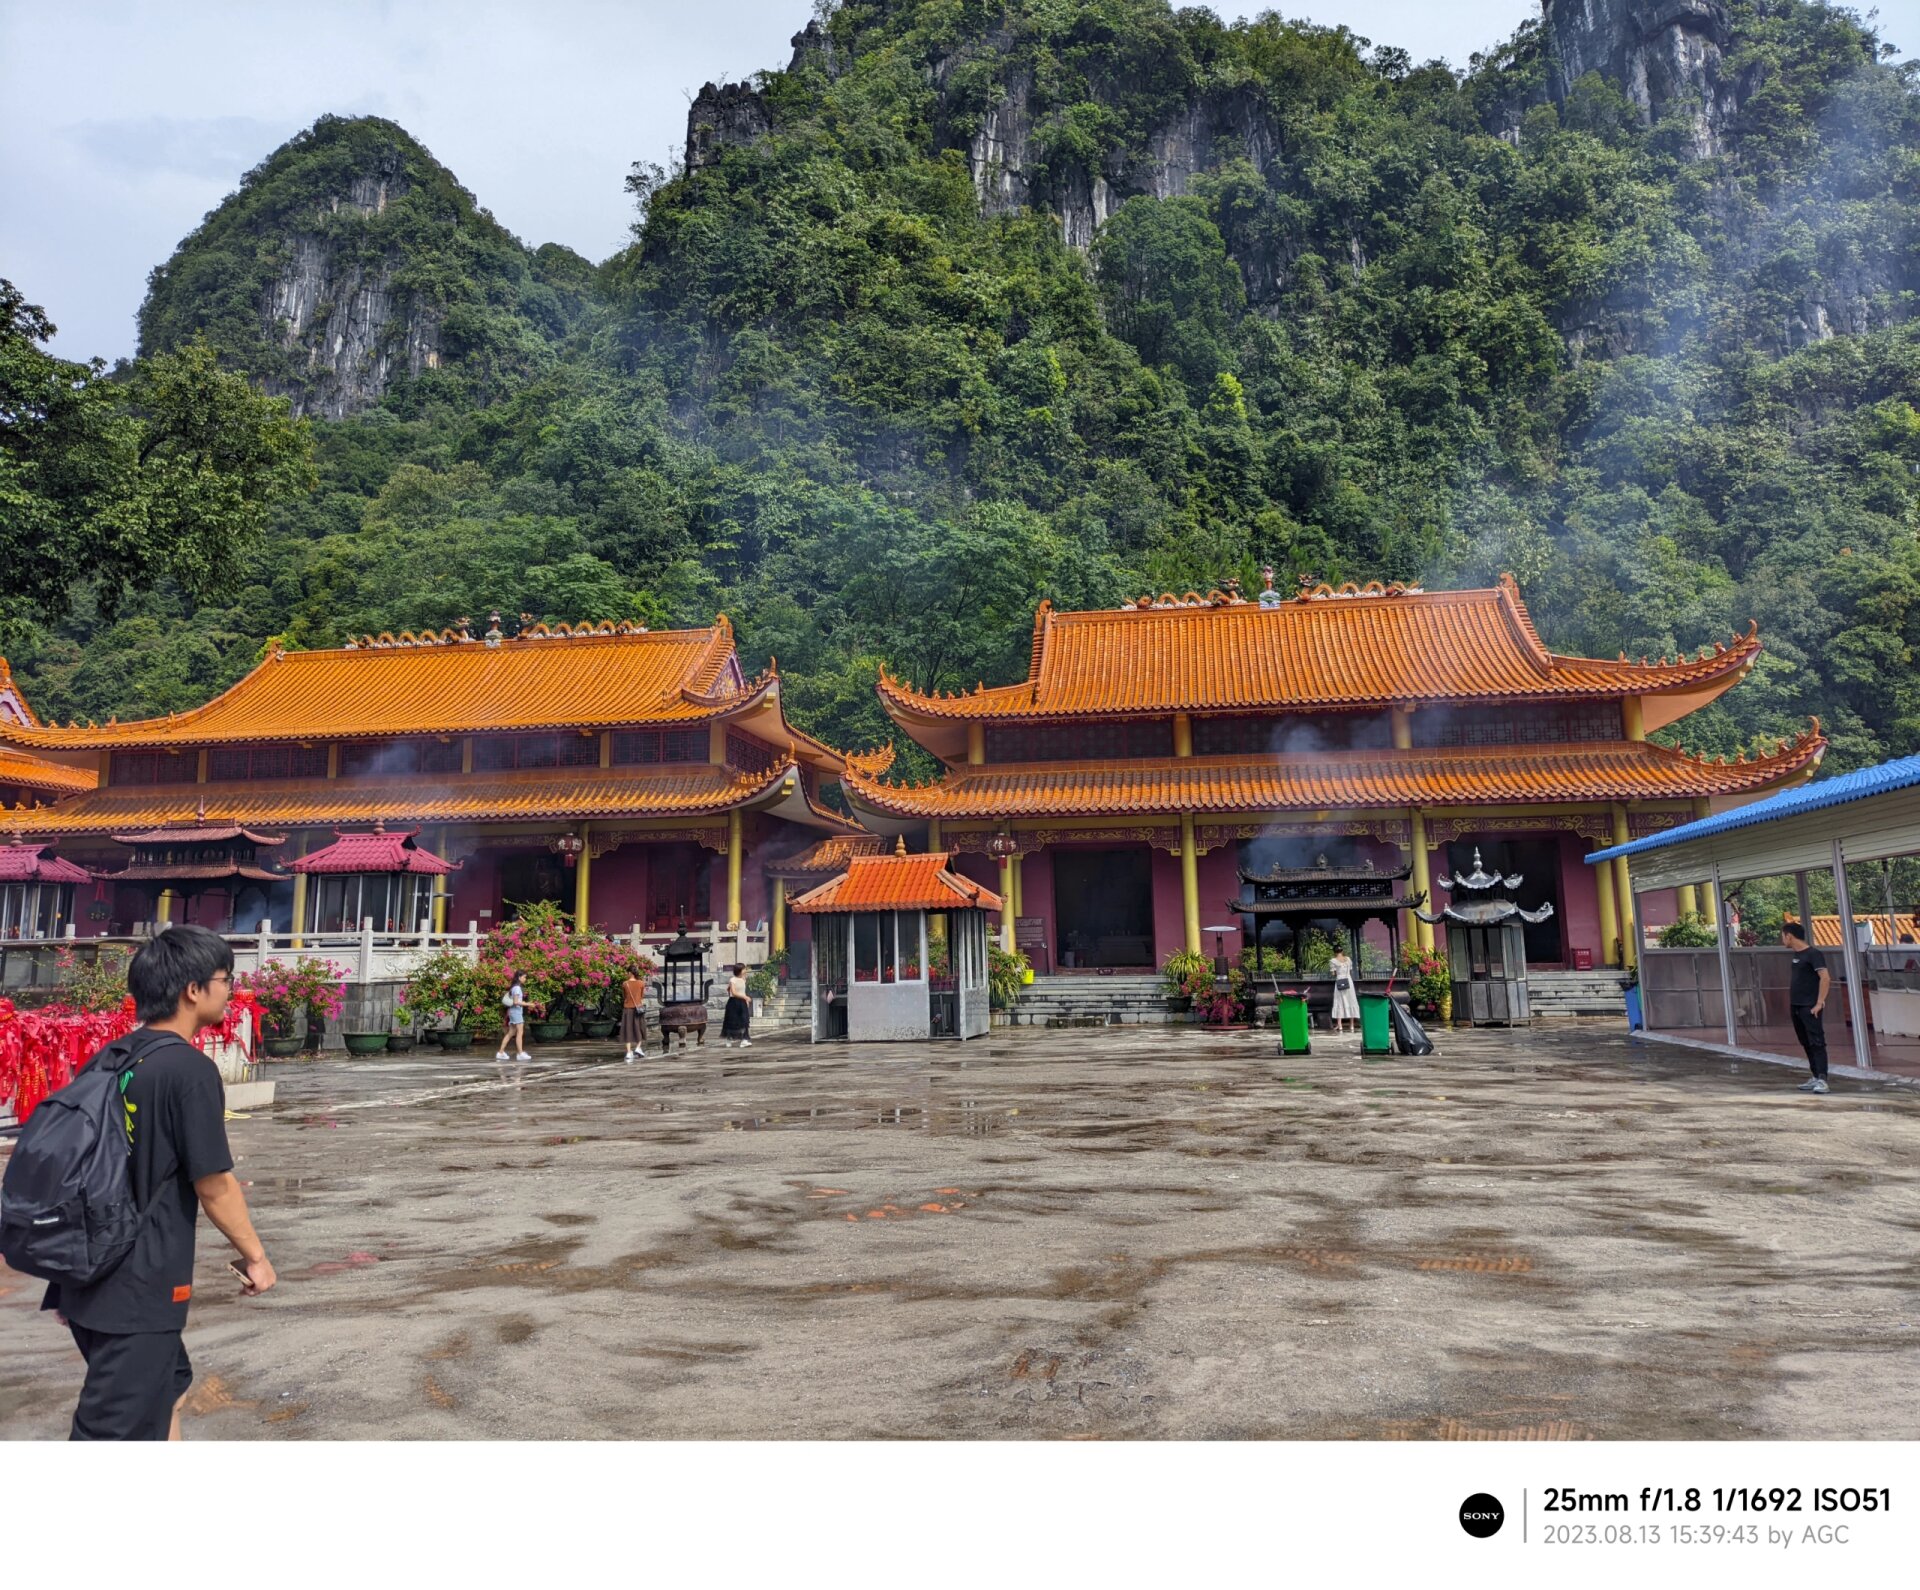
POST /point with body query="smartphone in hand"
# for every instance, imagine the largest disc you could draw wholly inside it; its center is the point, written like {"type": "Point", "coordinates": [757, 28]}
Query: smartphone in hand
{"type": "Point", "coordinates": [241, 1271]}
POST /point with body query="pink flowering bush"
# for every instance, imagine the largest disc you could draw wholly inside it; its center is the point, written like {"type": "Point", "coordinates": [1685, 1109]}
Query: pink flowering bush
{"type": "Point", "coordinates": [563, 969]}
{"type": "Point", "coordinates": [282, 990]}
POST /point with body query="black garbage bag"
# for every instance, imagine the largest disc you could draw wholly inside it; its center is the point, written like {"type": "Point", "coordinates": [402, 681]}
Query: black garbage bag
{"type": "Point", "coordinates": [1409, 1037]}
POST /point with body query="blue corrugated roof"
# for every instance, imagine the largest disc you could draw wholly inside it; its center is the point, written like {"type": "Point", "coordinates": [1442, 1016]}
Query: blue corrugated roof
{"type": "Point", "coordinates": [1902, 773]}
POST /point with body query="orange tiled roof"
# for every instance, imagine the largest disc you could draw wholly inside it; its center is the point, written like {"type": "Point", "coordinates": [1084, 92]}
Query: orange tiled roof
{"type": "Point", "coordinates": [38, 774]}
{"type": "Point", "coordinates": [827, 855]}
{"type": "Point", "coordinates": [898, 883]}
{"type": "Point", "coordinates": [693, 789]}
{"type": "Point", "coordinates": [1826, 929]}
{"type": "Point", "coordinates": [1332, 780]}
{"type": "Point", "coordinates": [384, 686]}
{"type": "Point", "coordinates": [1353, 648]}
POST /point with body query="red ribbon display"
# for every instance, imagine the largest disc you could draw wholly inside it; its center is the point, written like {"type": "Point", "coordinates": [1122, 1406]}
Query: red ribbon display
{"type": "Point", "coordinates": [42, 1050]}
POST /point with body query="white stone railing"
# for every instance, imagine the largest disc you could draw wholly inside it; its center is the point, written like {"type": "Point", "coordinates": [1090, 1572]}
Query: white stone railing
{"type": "Point", "coordinates": [367, 956]}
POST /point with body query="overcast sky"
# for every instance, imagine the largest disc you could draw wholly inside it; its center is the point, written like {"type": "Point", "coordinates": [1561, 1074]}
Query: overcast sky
{"type": "Point", "coordinates": [124, 121]}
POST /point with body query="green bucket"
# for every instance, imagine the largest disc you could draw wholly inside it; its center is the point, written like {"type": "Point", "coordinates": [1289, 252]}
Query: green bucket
{"type": "Point", "coordinates": [1376, 1025]}
{"type": "Point", "coordinates": [1295, 1028]}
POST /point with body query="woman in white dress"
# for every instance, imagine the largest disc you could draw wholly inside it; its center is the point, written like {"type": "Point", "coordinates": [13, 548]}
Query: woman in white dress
{"type": "Point", "coordinates": [1346, 1001]}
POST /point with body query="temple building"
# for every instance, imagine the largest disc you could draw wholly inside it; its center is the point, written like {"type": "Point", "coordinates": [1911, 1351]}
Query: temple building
{"type": "Point", "coordinates": [1157, 756]}
{"type": "Point", "coordinates": [637, 778]}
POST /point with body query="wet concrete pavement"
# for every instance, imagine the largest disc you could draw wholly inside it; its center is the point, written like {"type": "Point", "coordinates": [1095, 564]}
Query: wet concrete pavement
{"type": "Point", "coordinates": [1109, 1233]}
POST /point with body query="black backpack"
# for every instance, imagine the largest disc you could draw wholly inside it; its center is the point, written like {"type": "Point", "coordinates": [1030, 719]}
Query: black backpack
{"type": "Point", "coordinates": [66, 1203]}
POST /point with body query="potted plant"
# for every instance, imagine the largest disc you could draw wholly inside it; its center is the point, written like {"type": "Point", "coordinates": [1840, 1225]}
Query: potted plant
{"type": "Point", "coordinates": [1187, 976]}
{"type": "Point", "coordinates": [1003, 980]}
{"type": "Point", "coordinates": [284, 992]}
{"type": "Point", "coordinates": [365, 1042]}
{"type": "Point", "coordinates": [445, 987]}
{"type": "Point", "coordinates": [1428, 985]}
{"type": "Point", "coordinates": [762, 980]}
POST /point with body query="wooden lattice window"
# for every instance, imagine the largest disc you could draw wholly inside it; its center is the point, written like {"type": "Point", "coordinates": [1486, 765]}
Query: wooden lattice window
{"type": "Point", "coordinates": [1300, 733]}
{"type": "Point", "coordinates": [646, 747]}
{"type": "Point", "coordinates": [153, 767]}
{"type": "Point", "coordinates": [498, 753]}
{"type": "Point", "coordinates": [1080, 742]}
{"type": "Point", "coordinates": [750, 756]}
{"type": "Point", "coordinates": [1552, 724]}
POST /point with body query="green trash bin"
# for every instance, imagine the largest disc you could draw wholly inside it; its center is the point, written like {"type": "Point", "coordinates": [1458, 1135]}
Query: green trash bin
{"type": "Point", "coordinates": [1295, 1028]}
{"type": "Point", "coordinates": [1376, 1025]}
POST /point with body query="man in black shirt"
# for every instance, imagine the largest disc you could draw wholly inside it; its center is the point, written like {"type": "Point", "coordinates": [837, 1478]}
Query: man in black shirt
{"type": "Point", "coordinates": [1806, 998]}
{"type": "Point", "coordinates": [128, 1324]}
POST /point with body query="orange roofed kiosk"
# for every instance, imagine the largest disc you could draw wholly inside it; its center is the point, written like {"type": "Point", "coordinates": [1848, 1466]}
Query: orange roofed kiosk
{"type": "Point", "coordinates": [899, 950]}
{"type": "Point", "coordinates": [636, 778]}
{"type": "Point", "coordinates": [1155, 753]}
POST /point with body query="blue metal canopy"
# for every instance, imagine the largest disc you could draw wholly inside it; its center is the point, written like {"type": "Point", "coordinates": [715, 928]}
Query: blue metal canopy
{"type": "Point", "coordinates": [1884, 779]}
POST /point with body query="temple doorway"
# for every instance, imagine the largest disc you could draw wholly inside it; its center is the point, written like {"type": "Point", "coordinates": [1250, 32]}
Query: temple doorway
{"type": "Point", "coordinates": [1537, 861]}
{"type": "Point", "coordinates": [529, 877]}
{"type": "Point", "coordinates": [1103, 907]}
{"type": "Point", "coordinates": [679, 886]}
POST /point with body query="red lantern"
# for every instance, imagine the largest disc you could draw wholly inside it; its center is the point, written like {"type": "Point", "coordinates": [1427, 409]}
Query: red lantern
{"type": "Point", "coordinates": [569, 848]}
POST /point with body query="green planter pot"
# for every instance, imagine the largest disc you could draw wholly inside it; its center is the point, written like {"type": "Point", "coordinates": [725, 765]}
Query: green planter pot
{"type": "Point", "coordinates": [280, 1048]}
{"type": "Point", "coordinates": [456, 1038]}
{"type": "Point", "coordinates": [399, 1042]}
{"type": "Point", "coordinates": [365, 1042]}
{"type": "Point", "coordinates": [548, 1031]}
{"type": "Point", "coordinates": [1179, 1004]}
{"type": "Point", "coordinates": [599, 1029]}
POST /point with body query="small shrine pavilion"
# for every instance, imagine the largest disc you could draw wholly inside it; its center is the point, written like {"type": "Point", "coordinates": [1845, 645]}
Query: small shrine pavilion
{"type": "Point", "coordinates": [1156, 753]}
{"type": "Point", "coordinates": [200, 862]}
{"type": "Point", "coordinates": [900, 950]}
{"type": "Point", "coordinates": [37, 892]}
{"type": "Point", "coordinates": [635, 777]}
{"type": "Point", "coordinates": [380, 877]}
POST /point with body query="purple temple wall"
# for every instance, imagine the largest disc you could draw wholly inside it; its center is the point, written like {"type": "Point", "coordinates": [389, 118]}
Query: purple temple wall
{"type": "Point", "coordinates": [1169, 914]}
{"type": "Point", "coordinates": [476, 889]}
{"type": "Point", "coordinates": [617, 890]}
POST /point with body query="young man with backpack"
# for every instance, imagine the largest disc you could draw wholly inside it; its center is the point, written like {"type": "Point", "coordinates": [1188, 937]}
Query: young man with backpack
{"type": "Point", "coordinates": [107, 1179]}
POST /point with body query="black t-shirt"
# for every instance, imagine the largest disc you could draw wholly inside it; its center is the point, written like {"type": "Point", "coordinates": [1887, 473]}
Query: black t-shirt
{"type": "Point", "coordinates": [176, 1120]}
{"type": "Point", "coordinates": [1804, 989]}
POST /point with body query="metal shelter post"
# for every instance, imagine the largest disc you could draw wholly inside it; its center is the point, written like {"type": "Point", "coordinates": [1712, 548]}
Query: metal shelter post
{"type": "Point", "coordinates": [1722, 933]}
{"type": "Point", "coordinates": [1850, 947]}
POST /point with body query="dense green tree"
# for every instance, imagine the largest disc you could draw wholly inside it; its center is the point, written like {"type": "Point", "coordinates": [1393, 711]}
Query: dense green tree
{"type": "Point", "coordinates": [106, 485]}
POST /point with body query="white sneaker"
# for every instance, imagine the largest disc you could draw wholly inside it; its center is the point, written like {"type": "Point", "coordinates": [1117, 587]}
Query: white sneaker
{"type": "Point", "coordinates": [746, 1043]}
{"type": "Point", "coordinates": [729, 1043]}
{"type": "Point", "coordinates": [629, 1057]}
{"type": "Point", "coordinates": [523, 1055]}
{"type": "Point", "coordinates": [639, 1054]}
{"type": "Point", "coordinates": [502, 1055]}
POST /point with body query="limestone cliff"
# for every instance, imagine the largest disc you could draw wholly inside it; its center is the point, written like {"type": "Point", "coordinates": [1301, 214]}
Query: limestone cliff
{"type": "Point", "coordinates": [350, 260]}
{"type": "Point", "coordinates": [1668, 55]}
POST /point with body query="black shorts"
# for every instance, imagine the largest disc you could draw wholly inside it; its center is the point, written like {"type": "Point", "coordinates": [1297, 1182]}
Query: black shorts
{"type": "Point", "coordinates": [132, 1384]}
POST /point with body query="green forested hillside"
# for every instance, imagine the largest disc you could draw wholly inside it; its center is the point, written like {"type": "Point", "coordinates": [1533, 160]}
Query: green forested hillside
{"type": "Point", "coordinates": [1400, 323]}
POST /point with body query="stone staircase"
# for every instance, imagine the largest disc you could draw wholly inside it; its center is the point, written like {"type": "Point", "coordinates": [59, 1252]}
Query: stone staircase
{"type": "Point", "coordinates": [1557, 996]}
{"type": "Point", "coordinates": [1122, 999]}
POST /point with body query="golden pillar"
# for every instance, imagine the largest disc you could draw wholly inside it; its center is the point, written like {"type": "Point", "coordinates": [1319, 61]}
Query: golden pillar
{"type": "Point", "coordinates": [441, 888]}
{"type": "Point", "coordinates": [1609, 915]}
{"type": "Point", "coordinates": [1633, 719]}
{"type": "Point", "coordinates": [779, 925]}
{"type": "Point", "coordinates": [734, 848]}
{"type": "Point", "coordinates": [1689, 898]}
{"type": "Point", "coordinates": [163, 907]}
{"type": "Point", "coordinates": [933, 835]}
{"type": "Point", "coordinates": [1006, 903]}
{"type": "Point", "coordinates": [1422, 874]}
{"type": "Point", "coordinates": [1623, 894]}
{"type": "Point", "coordinates": [1190, 882]}
{"type": "Point", "coordinates": [1019, 887]}
{"type": "Point", "coordinates": [1709, 897]}
{"type": "Point", "coordinates": [1182, 734]}
{"type": "Point", "coordinates": [936, 925]}
{"type": "Point", "coordinates": [976, 743]}
{"type": "Point", "coordinates": [582, 872]}
{"type": "Point", "coordinates": [299, 923]}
